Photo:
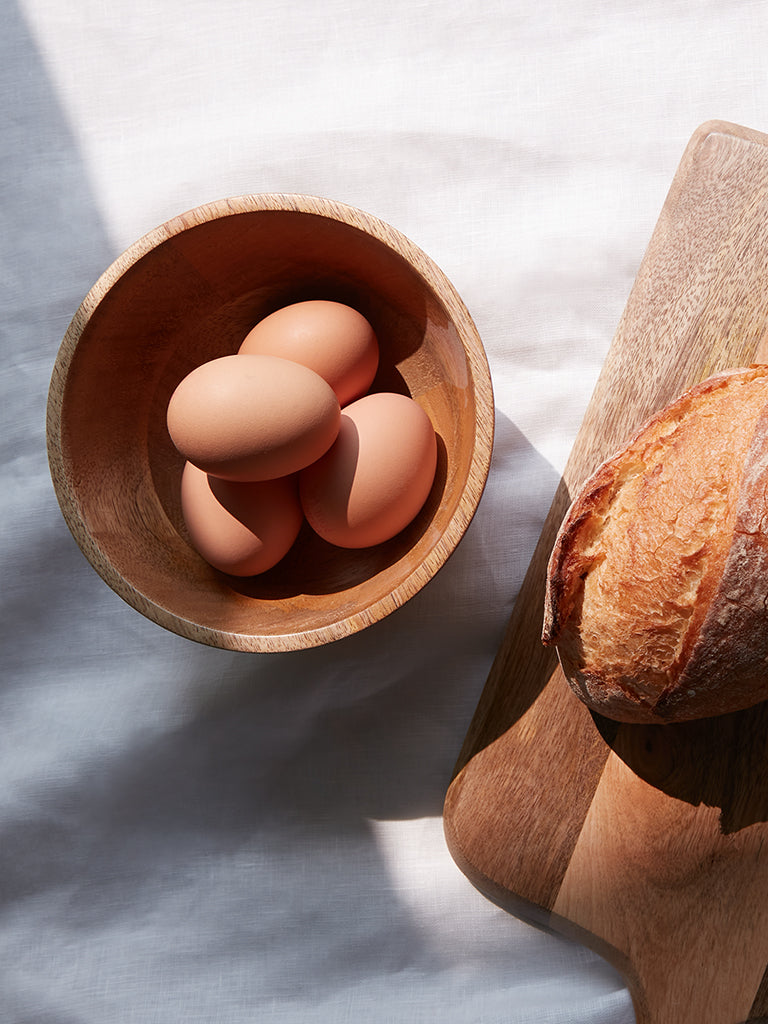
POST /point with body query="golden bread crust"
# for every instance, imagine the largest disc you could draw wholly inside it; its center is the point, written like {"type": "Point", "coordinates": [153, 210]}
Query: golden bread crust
{"type": "Point", "coordinates": [657, 584]}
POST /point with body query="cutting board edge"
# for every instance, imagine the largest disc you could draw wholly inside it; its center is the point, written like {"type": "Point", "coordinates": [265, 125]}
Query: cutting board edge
{"type": "Point", "coordinates": [543, 919]}
{"type": "Point", "coordinates": [501, 894]}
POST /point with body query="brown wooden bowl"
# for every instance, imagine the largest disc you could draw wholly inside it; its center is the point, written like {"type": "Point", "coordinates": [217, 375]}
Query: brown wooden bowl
{"type": "Point", "coordinates": [190, 291]}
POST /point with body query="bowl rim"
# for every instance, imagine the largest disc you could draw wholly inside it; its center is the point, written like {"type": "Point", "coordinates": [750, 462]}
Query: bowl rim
{"type": "Point", "coordinates": [433, 278]}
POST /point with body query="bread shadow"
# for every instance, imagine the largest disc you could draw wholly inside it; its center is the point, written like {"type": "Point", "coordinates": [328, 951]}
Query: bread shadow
{"type": "Point", "coordinates": [719, 762]}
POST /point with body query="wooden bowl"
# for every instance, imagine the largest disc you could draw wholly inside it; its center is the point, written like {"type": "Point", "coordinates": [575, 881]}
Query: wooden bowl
{"type": "Point", "coordinates": [190, 291]}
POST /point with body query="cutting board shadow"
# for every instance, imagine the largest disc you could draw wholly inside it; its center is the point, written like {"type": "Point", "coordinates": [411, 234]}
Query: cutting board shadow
{"type": "Point", "coordinates": [644, 842]}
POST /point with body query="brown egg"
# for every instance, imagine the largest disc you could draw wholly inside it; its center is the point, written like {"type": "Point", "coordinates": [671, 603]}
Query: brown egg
{"type": "Point", "coordinates": [376, 476]}
{"type": "Point", "coordinates": [252, 417]}
{"type": "Point", "coordinates": [330, 338]}
{"type": "Point", "coordinates": [241, 528]}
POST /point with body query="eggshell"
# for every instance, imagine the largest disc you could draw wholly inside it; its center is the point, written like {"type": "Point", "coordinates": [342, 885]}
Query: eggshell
{"type": "Point", "coordinates": [330, 338]}
{"type": "Point", "coordinates": [376, 476]}
{"type": "Point", "coordinates": [241, 528]}
{"type": "Point", "coordinates": [252, 417]}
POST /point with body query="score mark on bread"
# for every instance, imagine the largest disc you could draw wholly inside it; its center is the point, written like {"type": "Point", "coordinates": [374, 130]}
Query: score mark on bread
{"type": "Point", "coordinates": [657, 585]}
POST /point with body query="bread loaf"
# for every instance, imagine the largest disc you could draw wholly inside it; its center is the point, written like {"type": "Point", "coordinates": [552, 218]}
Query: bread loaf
{"type": "Point", "coordinates": [657, 585]}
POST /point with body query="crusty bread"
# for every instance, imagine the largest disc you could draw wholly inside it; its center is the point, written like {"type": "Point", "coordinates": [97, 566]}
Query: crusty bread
{"type": "Point", "coordinates": [657, 585]}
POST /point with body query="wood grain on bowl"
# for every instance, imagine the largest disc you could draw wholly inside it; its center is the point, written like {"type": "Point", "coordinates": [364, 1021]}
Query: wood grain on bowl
{"type": "Point", "coordinates": [190, 291]}
{"type": "Point", "coordinates": [648, 842]}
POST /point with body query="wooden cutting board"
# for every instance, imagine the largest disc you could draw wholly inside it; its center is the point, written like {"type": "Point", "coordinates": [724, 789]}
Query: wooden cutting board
{"type": "Point", "coordinates": [647, 843]}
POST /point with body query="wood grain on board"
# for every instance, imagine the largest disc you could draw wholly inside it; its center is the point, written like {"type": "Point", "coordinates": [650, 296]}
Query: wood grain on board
{"type": "Point", "coordinates": [646, 842]}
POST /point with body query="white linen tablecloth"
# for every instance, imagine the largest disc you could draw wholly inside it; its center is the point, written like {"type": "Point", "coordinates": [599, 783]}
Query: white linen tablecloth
{"type": "Point", "coordinates": [194, 836]}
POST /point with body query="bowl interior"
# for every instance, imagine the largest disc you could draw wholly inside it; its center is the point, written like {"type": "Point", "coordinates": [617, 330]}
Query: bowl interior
{"type": "Point", "coordinates": [190, 292]}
